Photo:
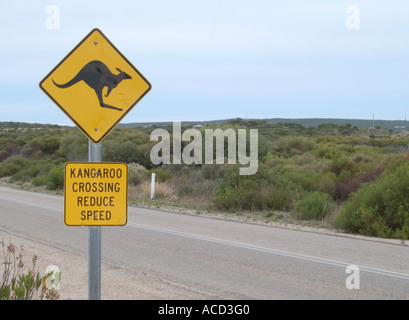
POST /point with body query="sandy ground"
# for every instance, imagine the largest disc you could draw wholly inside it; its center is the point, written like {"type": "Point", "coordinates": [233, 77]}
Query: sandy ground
{"type": "Point", "coordinates": [117, 283]}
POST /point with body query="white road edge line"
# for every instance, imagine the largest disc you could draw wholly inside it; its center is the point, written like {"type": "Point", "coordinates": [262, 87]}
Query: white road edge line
{"type": "Point", "coordinates": [241, 245]}
{"type": "Point", "coordinates": [274, 251]}
{"type": "Point", "coordinates": [32, 204]}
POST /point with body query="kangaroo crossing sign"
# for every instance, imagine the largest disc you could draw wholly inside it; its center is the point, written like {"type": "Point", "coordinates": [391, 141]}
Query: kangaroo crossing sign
{"type": "Point", "coordinates": [95, 86]}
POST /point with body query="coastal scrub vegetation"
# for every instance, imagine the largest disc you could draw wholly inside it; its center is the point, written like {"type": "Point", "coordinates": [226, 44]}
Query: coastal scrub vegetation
{"type": "Point", "coordinates": [354, 179]}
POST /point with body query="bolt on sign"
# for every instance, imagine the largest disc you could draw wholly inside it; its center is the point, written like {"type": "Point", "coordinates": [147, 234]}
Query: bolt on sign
{"type": "Point", "coordinates": [95, 86]}
{"type": "Point", "coordinates": [95, 194]}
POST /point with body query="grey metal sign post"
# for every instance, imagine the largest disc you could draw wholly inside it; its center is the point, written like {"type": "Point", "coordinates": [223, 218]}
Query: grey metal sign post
{"type": "Point", "coordinates": [94, 239]}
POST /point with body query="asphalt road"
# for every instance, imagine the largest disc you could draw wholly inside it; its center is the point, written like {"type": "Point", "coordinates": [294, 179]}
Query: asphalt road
{"type": "Point", "coordinates": [213, 258]}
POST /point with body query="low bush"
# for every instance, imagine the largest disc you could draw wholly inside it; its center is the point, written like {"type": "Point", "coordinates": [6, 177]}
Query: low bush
{"type": "Point", "coordinates": [21, 283]}
{"type": "Point", "coordinates": [293, 145]}
{"type": "Point", "coordinates": [311, 181]}
{"type": "Point", "coordinates": [136, 173]}
{"type": "Point", "coordinates": [267, 189]}
{"type": "Point", "coordinates": [316, 205]}
{"type": "Point", "coordinates": [344, 187]}
{"type": "Point", "coordinates": [280, 199]}
{"type": "Point", "coordinates": [12, 165]}
{"type": "Point", "coordinates": [33, 169]}
{"type": "Point", "coordinates": [161, 175]}
{"type": "Point", "coordinates": [55, 178]}
{"type": "Point", "coordinates": [380, 208]}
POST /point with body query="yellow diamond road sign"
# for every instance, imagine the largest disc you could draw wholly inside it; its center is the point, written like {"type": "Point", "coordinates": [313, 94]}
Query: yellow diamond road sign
{"type": "Point", "coordinates": [95, 194]}
{"type": "Point", "coordinates": [95, 86]}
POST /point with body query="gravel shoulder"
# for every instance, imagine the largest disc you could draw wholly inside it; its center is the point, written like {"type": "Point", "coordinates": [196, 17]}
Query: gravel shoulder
{"type": "Point", "coordinates": [117, 282]}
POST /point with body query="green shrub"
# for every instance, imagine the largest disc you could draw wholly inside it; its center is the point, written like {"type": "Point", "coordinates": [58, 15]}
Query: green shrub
{"type": "Point", "coordinates": [12, 165]}
{"type": "Point", "coordinates": [313, 206]}
{"type": "Point", "coordinates": [40, 180]}
{"type": "Point", "coordinates": [55, 178]}
{"type": "Point", "coordinates": [292, 145]}
{"type": "Point", "coordinates": [136, 173]}
{"type": "Point", "coordinates": [20, 283]}
{"type": "Point", "coordinates": [267, 189]}
{"type": "Point", "coordinates": [240, 193]}
{"type": "Point", "coordinates": [327, 151]}
{"type": "Point", "coordinates": [74, 147]}
{"type": "Point", "coordinates": [311, 181]}
{"type": "Point", "coordinates": [33, 168]}
{"type": "Point", "coordinates": [344, 187]}
{"type": "Point", "coordinates": [212, 171]}
{"type": "Point", "coordinates": [380, 208]}
{"type": "Point", "coordinates": [160, 175]}
{"type": "Point", "coordinates": [126, 151]}
{"type": "Point", "coordinates": [280, 199]}
{"type": "Point", "coordinates": [8, 169]}
{"type": "Point", "coordinates": [185, 190]}
{"type": "Point", "coordinates": [48, 144]}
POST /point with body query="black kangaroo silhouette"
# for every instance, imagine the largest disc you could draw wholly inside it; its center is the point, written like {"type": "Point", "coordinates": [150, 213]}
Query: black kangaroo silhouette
{"type": "Point", "coordinates": [97, 76]}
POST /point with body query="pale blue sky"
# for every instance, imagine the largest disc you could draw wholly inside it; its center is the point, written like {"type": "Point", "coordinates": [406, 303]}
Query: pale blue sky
{"type": "Point", "coordinates": [219, 59]}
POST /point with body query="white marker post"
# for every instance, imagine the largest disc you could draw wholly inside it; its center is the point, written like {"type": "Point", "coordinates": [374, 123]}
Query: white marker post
{"type": "Point", "coordinates": [153, 185]}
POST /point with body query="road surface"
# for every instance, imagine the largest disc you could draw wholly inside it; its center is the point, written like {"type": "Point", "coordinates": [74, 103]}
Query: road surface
{"type": "Point", "coordinates": [165, 255]}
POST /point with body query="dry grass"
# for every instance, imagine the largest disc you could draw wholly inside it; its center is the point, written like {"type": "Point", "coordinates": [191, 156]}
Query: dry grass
{"type": "Point", "coordinates": [168, 194]}
{"type": "Point", "coordinates": [142, 192]}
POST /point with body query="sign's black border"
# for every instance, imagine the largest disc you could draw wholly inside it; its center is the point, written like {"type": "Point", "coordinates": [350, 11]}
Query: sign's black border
{"type": "Point", "coordinates": [123, 57]}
